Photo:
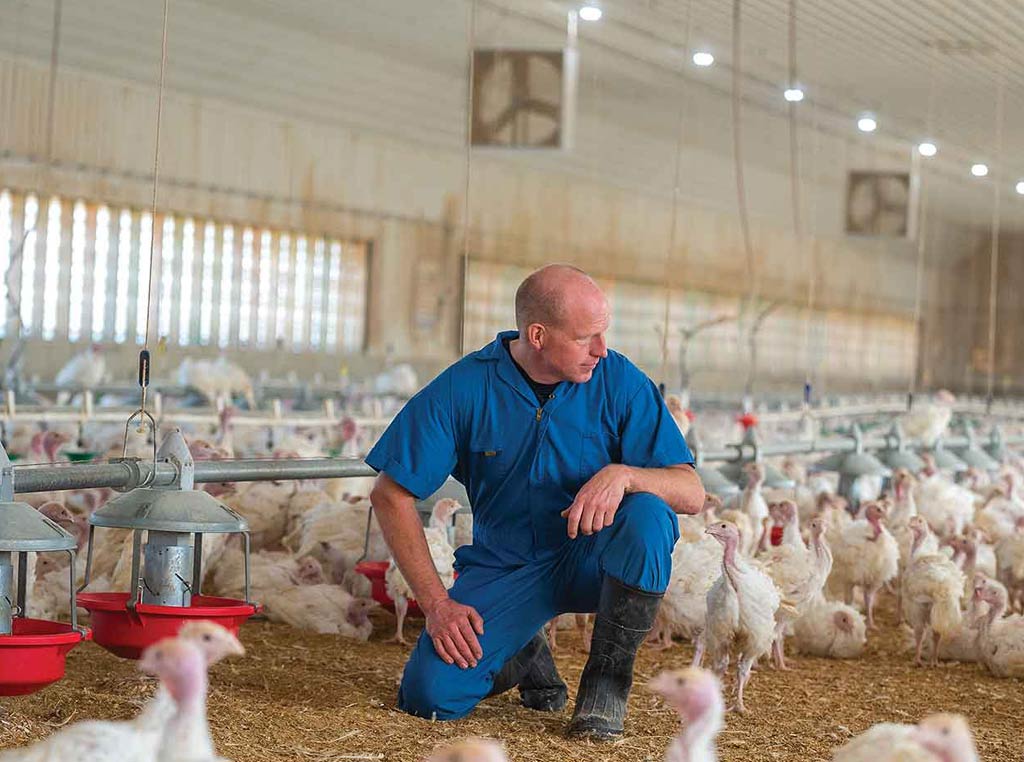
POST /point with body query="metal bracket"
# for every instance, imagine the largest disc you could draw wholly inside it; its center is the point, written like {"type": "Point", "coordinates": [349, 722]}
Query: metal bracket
{"type": "Point", "coordinates": [134, 473]}
{"type": "Point", "coordinates": [175, 450]}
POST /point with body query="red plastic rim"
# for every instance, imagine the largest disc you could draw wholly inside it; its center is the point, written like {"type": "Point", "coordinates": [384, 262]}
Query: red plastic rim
{"type": "Point", "coordinates": [128, 633]}
{"type": "Point", "coordinates": [203, 606]}
{"type": "Point", "coordinates": [41, 632]}
{"type": "Point", "coordinates": [33, 655]}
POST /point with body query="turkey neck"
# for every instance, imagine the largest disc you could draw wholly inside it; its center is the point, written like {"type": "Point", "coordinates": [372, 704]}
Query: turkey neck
{"type": "Point", "coordinates": [188, 734]}
{"type": "Point", "coordinates": [876, 529]}
{"type": "Point", "coordinates": [729, 568]}
{"type": "Point", "coordinates": [698, 738]}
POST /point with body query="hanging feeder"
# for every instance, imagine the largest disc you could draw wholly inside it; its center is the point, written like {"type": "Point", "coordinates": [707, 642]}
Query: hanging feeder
{"type": "Point", "coordinates": [712, 479]}
{"type": "Point", "coordinates": [773, 477]}
{"type": "Point", "coordinates": [715, 482]}
{"type": "Point", "coordinates": [973, 455]}
{"type": "Point", "coordinates": [996, 447]}
{"type": "Point", "coordinates": [32, 651]}
{"type": "Point", "coordinates": [945, 460]}
{"type": "Point", "coordinates": [851, 466]}
{"type": "Point", "coordinates": [898, 456]}
{"type": "Point", "coordinates": [166, 570]}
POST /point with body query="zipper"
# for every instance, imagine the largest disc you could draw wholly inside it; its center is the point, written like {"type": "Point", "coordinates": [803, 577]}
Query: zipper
{"type": "Point", "coordinates": [540, 410]}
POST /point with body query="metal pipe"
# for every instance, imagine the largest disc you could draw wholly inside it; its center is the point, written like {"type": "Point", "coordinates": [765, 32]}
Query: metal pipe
{"type": "Point", "coordinates": [125, 476]}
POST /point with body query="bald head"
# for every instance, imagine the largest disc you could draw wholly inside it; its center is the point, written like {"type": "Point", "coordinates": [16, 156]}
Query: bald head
{"type": "Point", "coordinates": [548, 295]}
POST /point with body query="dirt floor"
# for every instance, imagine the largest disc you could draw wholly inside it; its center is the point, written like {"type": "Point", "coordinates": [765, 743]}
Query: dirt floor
{"type": "Point", "coordinates": [319, 698]}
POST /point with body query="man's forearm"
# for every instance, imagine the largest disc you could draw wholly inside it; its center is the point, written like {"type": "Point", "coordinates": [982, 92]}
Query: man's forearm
{"type": "Point", "coordinates": [403, 532]}
{"type": "Point", "coordinates": [679, 486]}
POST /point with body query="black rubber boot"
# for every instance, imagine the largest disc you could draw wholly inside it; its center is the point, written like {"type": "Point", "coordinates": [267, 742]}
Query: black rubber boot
{"type": "Point", "coordinates": [533, 670]}
{"type": "Point", "coordinates": [624, 618]}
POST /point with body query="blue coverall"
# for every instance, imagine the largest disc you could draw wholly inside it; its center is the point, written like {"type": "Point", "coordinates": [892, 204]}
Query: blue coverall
{"type": "Point", "coordinates": [522, 465]}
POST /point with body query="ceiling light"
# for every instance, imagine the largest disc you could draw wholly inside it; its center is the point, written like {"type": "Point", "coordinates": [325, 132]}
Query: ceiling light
{"type": "Point", "coordinates": [979, 170]}
{"type": "Point", "coordinates": [703, 58]}
{"type": "Point", "coordinates": [1020, 187]}
{"type": "Point", "coordinates": [590, 13]}
{"type": "Point", "coordinates": [866, 124]}
{"type": "Point", "coordinates": [794, 95]}
{"type": "Point", "coordinates": [927, 149]}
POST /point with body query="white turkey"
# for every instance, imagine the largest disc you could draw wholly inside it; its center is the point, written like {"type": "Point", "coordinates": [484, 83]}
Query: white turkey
{"type": "Point", "coordinates": [441, 553]}
{"type": "Point", "coordinates": [741, 610]}
{"type": "Point", "coordinates": [86, 370]}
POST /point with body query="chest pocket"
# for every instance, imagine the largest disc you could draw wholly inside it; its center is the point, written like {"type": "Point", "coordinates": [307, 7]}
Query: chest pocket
{"type": "Point", "coordinates": [597, 450]}
{"type": "Point", "coordinates": [488, 460]}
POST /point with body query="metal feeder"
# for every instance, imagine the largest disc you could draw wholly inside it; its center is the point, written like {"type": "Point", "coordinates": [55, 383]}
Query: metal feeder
{"type": "Point", "coordinates": [945, 460]}
{"type": "Point", "coordinates": [773, 477]}
{"type": "Point", "coordinates": [899, 456]}
{"type": "Point", "coordinates": [714, 482]}
{"type": "Point", "coordinates": [851, 466]}
{"type": "Point", "coordinates": [996, 447]}
{"type": "Point", "coordinates": [973, 455]}
{"type": "Point", "coordinates": [166, 569]}
{"type": "Point", "coordinates": [710, 477]}
{"type": "Point", "coordinates": [32, 651]}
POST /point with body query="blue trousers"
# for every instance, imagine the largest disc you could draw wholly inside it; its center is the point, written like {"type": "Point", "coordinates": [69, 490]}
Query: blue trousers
{"type": "Point", "coordinates": [516, 602]}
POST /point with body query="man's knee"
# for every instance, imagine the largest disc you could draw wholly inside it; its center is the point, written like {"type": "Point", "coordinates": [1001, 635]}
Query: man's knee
{"type": "Point", "coordinates": [641, 554]}
{"type": "Point", "coordinates": [648, 520]}
{"type": "Point", "coordinates": [437, 691]}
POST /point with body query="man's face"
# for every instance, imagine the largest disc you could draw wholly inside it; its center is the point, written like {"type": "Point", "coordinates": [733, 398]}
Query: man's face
{"type": "Point", "coordinates": [572, 349]}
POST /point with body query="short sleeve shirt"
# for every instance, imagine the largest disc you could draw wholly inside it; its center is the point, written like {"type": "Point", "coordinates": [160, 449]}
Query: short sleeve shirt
{"type": "Point", "coordinates": [522, 464]}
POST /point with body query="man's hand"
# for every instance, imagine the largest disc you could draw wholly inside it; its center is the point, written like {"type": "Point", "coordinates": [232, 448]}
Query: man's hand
{"type": "Point", "coordinates": [453, 628]}
{"type": "Point", "coordinates": [597, 501]}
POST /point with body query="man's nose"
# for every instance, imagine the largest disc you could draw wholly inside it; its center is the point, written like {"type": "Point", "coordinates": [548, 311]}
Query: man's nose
{"type": "Point", "coordinates": [599, 346]}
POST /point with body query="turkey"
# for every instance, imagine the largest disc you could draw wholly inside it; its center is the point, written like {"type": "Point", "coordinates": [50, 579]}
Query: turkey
{"type": "Point", "coordinates": [751, 502]}
{"type": "Point", "coordinates": [697, 696]}
{"type": "Point", "coordinates": [741, 611]}
{"type": "Point", "coordinates": [1000, 641]}
{"type": "Point", "coordinates": [830, 630]}
{"type": "Point", "coordinates": [442, 554]}
{"type": "Point", "coordinates": [134, 740]}
{"type": "Point", "coordinates": [683, 610]}
{"type": "Point", "coordinates": [799, 575]}
{"type": "Point", "coordinates": [931, 590]}
{"type": "Point", "coordinates": [1010, 564]}
{"type": "Point", "coordinates": [938, 738]}
{"type": "Point", "coordinates": [182, 669]}
{"type": "Point", "coordinates": [675, 406]}
{"type": "Point", "coordinates": [325, 609]}
{"type": "Point", "coordinates": [470, 750]}
{"type": "Point", "coordinates": [947, 507]}
{"type": "Point", "coordinates": [929, 422]}
{"type": "Point", "coordinates": [865, 556]}
{"type": "Point", "coordinates": [85, 370]}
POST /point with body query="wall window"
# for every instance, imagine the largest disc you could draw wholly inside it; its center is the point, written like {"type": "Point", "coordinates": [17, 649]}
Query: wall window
{"type": "Point", "coordinates": [213, 283]}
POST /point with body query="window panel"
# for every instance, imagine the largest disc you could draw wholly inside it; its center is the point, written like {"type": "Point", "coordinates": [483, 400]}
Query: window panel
{"type": "Point", "coordinates": [227, 269]}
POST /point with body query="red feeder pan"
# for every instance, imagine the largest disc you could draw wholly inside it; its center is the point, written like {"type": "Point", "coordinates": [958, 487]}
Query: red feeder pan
{"type": "Point", "coordinates": [32, 656]}
{"type": "Point", "coordinates": [128, 633]}
{"type": "Point", "coordinates": [374, 571]}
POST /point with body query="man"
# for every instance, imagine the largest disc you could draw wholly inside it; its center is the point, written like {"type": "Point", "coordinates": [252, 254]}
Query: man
{"type": "Point", "coordinates": [574, 470]}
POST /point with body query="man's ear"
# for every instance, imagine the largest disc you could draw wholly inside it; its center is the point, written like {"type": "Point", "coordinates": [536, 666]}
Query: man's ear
{"type": "Point", "coordinates": [535, 335]}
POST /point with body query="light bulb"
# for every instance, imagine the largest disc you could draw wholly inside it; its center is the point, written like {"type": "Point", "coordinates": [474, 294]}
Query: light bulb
{"type": "Point", "coordinates": [979, 170]}
{"type": "Point", "coordinates": [590, 13]}
{"type": "Point", "coordinates": [703, 58]}
{"type": "Point", "coordinates": [794, 95]}
{"type": "Point", "coordinates": [927, 149]}
{"type": "Point", "coordinates": [867, 124]}
{"type": "Point", "coordinates": [1020, 187]}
